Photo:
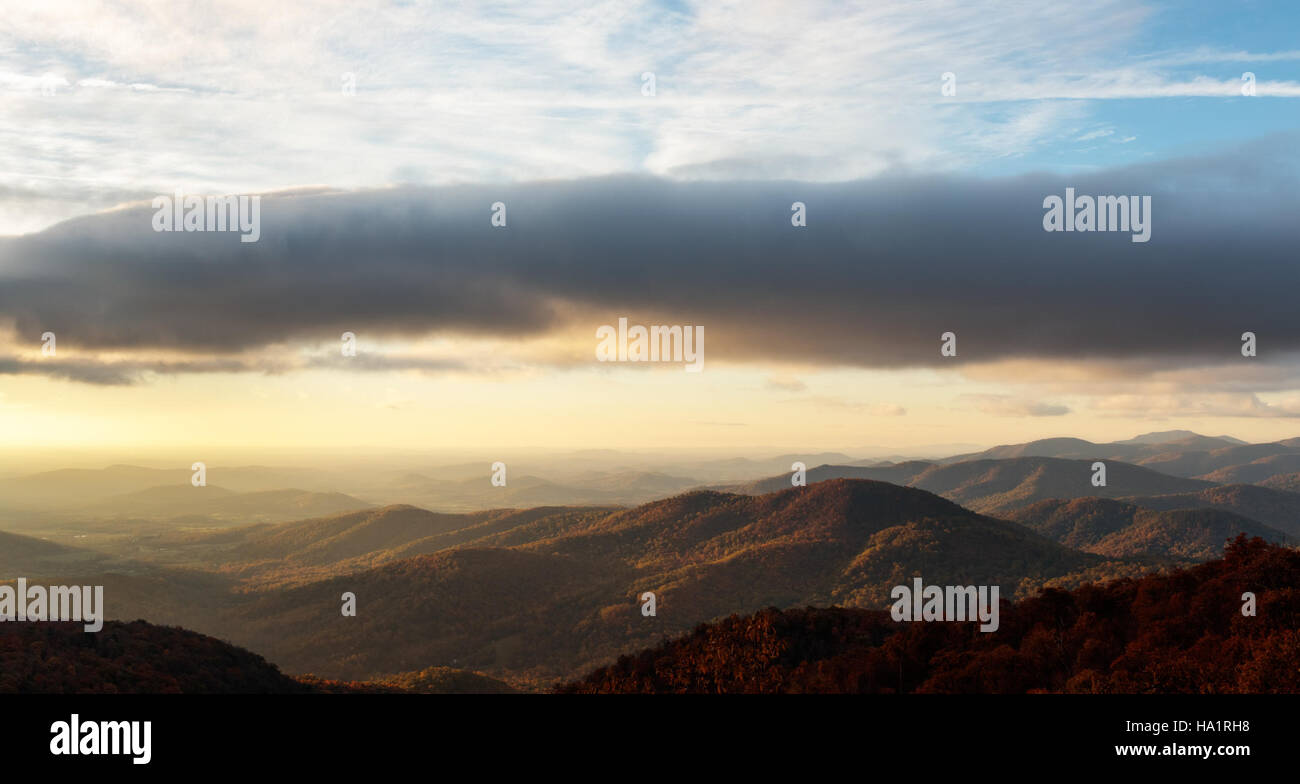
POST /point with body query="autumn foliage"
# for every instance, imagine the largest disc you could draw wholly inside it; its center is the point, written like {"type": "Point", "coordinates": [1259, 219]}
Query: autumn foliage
{"type": "Point", "coordinates": [137, 657]}
{"type": "Point", "coordinates": [1178, 632]}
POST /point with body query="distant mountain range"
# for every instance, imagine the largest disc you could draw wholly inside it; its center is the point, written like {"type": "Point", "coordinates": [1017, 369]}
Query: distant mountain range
{"type": "Point", "coordinates": [1220, 459]}
{"type": "Point", "coordinates": [593, 477]}
{"type": "Point", "coordinates": [999, 486]}
{"type": "Point", "coordinates": [206, 505]}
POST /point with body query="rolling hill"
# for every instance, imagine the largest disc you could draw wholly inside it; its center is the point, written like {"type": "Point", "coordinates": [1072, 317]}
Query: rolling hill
{"type": "Point", "coordinates": [1279, 509]}
{"type": "Point", "coordinates": [322, 547]}
{"type": "Point", "coordinates": [1290, 482]}
{"type": "Point", "coordinates": [1181, 453]}
{"type": "Point", "coordinates": [1120, 529]}
{"type": "Point", "coordinates": [144, 658]}
{"type": "Point", "coordinates": [134, 658]}
{"type": "Point", "coordinates": [1259, 470]}
{"type": "Point", "coordinates": [215, 505]}
{"type": "Point", "coordinates": [549, 592]}
{"type": "Point", "coordinates": [1205, 463]}
{"type": "Point", "coordinates": [27, 556]}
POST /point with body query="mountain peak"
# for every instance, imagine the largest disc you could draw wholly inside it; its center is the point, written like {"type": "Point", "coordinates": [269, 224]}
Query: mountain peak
{"type": "Point", "coordinates": [1162, 437]}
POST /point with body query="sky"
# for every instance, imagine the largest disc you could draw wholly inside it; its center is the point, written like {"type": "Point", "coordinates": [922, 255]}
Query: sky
{"type": "Point", "coordinates": [380, 135]}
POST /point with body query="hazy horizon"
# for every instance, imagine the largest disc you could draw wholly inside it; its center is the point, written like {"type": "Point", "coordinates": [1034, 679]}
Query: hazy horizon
{"type": "Point", "coordinates": [25, 460]}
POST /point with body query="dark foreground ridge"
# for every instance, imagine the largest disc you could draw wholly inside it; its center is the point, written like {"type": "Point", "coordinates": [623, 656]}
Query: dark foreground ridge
{"type": "Point", "coordinates": [143, 658]}
{"type": "Point", "coordinates": [1179, 632]}
{"type": "Point", "coordinates": [130, 658]}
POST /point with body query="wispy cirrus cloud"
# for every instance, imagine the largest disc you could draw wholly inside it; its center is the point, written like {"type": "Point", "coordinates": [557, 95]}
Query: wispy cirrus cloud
{"type": "Point", "coordinates": [159, 95]}
{"type": "Point", "coordinates": [1170, 406]}
{"type": "Point", "coordinates": [1006, 405]}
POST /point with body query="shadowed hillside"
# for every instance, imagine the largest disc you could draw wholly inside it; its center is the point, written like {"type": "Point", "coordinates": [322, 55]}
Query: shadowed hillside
{"type": "Point", "coordinates": [1268, 459]}
{"type": "Point", "coordinates": [1279, 509]}
{"type": "Point", "coordinates": [999, 486]}
{"type": "Point", "coordinates": [132, 657]}
{"type": "Point", "coordinates": [1119, 529]}
{"type": "Point", "coordinates": [431, 680]}
{"type": "Point", "coordinates": [1289, 482]}
{"type": "Point", "coordinates": [27, 556]}
{"type": "Point", "coordinates": [143, 658]}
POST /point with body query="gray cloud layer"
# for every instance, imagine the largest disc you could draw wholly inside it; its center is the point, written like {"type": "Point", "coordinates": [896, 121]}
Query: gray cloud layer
{"type": "Point", "coordinates": [883, 267]}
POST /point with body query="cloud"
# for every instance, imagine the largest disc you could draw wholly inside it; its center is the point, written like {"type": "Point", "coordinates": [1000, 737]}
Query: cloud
{"type": "Point", "coordinates": [852, 406]}
{"type": "Point", "coordinates": [1005, 405]}
{"type": "Point", "coordinates": [1242, 405]}
{"type": "Point", "coordinates": [1098, 134]}
{"type": "Point", "coordinates": [367, 361]}
{"type": "Point", "coordinates": [123, 373]}
{"type": "Point", "coordinates": [786, 384]}
{"type": "Point", "coordinates": [454, 93]}
{"type": "Point", "coordinates": [1156, 375]}
{"type": "Point", "coordinates": [126, 372]}
{"type": "Point", "coordinates": [883, 267]}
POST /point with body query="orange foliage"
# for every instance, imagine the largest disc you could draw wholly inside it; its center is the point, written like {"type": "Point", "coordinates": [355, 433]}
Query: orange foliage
{"type": "Point", "coordinates": [1177, 632]}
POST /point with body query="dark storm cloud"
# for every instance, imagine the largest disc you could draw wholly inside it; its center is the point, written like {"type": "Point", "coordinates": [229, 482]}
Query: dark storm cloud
{"type": "Point", "coordinates": [128, 372]}
{"type": "Point", "coordinates": [370, 361]}
{"type": "Point", "coordinates": [882, 269]}
{"type": "Point", "coordinates": [122, 373]}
